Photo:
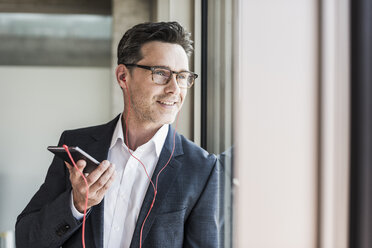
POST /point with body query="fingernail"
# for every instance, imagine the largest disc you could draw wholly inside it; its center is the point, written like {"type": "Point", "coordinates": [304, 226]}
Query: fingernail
{"type": "Point", "coordinates": [105, 163]}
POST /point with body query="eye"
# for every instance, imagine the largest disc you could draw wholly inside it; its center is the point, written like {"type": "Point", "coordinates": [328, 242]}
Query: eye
{"type": "Point", "coordinates": [183, 76]}
{"type": "Point", "coordinates": [160, 72]}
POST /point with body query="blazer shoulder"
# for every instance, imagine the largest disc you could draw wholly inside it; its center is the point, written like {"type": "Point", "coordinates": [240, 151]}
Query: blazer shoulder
{"type": "Point", "coordinates": [92, 130]}
{"type": "Point", "coordinates": [197, 155]}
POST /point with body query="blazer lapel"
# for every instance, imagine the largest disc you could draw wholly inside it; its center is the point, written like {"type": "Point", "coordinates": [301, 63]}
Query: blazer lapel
{"type": "Point", "coordinates": [99, 150]}
{"type": "Point", "coordinates": [165, 181]}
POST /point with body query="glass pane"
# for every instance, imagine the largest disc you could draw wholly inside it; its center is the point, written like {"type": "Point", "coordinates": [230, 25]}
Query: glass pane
{"type": "Point", "coordinates": [55, 39]}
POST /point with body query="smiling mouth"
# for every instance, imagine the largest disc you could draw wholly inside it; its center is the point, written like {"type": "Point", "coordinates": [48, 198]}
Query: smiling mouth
{"type": "Point", "coordinates": [167, 103]}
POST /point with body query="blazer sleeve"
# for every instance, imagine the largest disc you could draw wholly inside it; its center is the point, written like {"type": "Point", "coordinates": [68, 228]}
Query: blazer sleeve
{"type": "Point", "coordinates": [47, 220]}
{"type": "Point", "coordinates": [205, 224]}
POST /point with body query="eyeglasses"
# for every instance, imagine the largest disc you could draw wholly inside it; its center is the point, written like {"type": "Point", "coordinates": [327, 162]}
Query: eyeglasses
{"type": "Point", "coordinates": [162, 75]}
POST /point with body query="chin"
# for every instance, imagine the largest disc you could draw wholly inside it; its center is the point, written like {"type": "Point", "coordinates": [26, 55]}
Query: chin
{"type": "Point", "coordinates": [165, 118]}
{"type": "Point", "coordinates": [168, 120]}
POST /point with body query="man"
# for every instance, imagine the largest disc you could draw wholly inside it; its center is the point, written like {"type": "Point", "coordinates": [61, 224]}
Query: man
{"type": "Point", "coordinates": [154, 75]}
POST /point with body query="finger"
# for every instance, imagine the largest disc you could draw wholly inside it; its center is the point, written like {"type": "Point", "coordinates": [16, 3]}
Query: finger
{"type": "Point", "coordinates": [80, 165]}
{"type": "Point", "coordinates": [103, 179]}
{"type": "Point", "coordinates": [97, 172]}
{"type": "Point", "coordinates": [101, 192]}
{"type": "Point", "coordinates": [69, 167]}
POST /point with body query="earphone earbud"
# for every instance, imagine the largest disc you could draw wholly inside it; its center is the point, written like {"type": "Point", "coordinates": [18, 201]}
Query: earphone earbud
{"type": "Point", "coordinates": [122, 77]}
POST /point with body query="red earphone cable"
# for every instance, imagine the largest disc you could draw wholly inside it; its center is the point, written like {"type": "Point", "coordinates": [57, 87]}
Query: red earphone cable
{"type": "Point", "coordinates": [86, 196]}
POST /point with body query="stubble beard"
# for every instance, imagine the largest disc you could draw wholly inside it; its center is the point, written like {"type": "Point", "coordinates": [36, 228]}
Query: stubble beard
{"type": "Point", "coordinates": [145, 113]}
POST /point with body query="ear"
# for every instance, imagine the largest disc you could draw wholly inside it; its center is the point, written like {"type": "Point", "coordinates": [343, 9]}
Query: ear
{"type": "Point", "coordinates": [121, 73]}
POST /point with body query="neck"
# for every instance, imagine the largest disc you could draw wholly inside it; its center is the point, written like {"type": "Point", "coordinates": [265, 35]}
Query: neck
{"type": "Point", "coordinates": [137, 134]}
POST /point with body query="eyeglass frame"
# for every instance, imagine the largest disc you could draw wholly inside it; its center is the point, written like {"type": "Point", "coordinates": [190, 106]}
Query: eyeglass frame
{"type": "Point", "coordinates": [153, 68]}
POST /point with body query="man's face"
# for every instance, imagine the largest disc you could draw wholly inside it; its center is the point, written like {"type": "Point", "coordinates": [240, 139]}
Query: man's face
{"type": "Point", "coordinates": [154, 104]}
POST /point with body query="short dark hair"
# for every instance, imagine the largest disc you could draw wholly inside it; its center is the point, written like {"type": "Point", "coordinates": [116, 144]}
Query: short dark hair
{"type": "Point", "coordinates": [129, 48]}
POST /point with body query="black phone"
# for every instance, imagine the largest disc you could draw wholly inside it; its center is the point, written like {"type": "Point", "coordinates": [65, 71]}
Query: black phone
{"type": "Point", "coordinates": [76, 154]}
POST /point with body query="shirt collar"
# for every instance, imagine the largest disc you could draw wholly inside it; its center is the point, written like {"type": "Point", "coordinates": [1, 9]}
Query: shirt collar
{"type": "Point", "coordinates": [158, 139]}
{"type": "Point", "coordinates": [118, 133]}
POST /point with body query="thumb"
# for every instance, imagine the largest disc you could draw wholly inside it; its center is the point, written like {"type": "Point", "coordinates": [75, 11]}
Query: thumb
{"type": "Point", "coordinates": [81, 164]}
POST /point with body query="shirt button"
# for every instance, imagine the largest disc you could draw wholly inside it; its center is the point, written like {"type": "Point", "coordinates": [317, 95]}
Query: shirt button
{"type": "Point", "coordinates": [122, 196]}
{"type": "Point", "coordinates": [116, 228]}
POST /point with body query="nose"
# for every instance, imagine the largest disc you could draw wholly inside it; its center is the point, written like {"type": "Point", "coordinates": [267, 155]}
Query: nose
{"type": "Point", "coordinates": [172, 85]}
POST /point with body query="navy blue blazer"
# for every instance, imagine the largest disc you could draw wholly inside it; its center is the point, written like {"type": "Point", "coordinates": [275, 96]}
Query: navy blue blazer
{"type": "Point", "coordinates": [187, 211]}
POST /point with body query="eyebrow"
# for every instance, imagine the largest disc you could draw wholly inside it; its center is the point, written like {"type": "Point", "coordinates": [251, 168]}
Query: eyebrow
{"type": "Point", "coordinates": [167, 67]}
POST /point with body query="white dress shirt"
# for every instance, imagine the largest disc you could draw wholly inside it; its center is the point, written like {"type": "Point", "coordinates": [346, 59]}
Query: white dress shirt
{"type": "Point", "coordinates": [124, 199]}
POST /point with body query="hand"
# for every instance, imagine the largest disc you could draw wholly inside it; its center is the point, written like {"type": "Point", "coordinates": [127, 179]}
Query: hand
{"type": "Point", "coordinates": [99, 181]}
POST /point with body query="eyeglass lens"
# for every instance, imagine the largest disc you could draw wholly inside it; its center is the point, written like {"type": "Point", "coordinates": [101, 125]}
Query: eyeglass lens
{"type": "Point", "coordinates": [162, 76]}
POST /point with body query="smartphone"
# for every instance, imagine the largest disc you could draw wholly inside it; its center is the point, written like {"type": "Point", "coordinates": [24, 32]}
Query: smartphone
{"type": "Point", "coordinates": [76, 154]}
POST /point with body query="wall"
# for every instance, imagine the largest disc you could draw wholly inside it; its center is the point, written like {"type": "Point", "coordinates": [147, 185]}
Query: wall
{"type": "Point", "coordinates": [36, 105]}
